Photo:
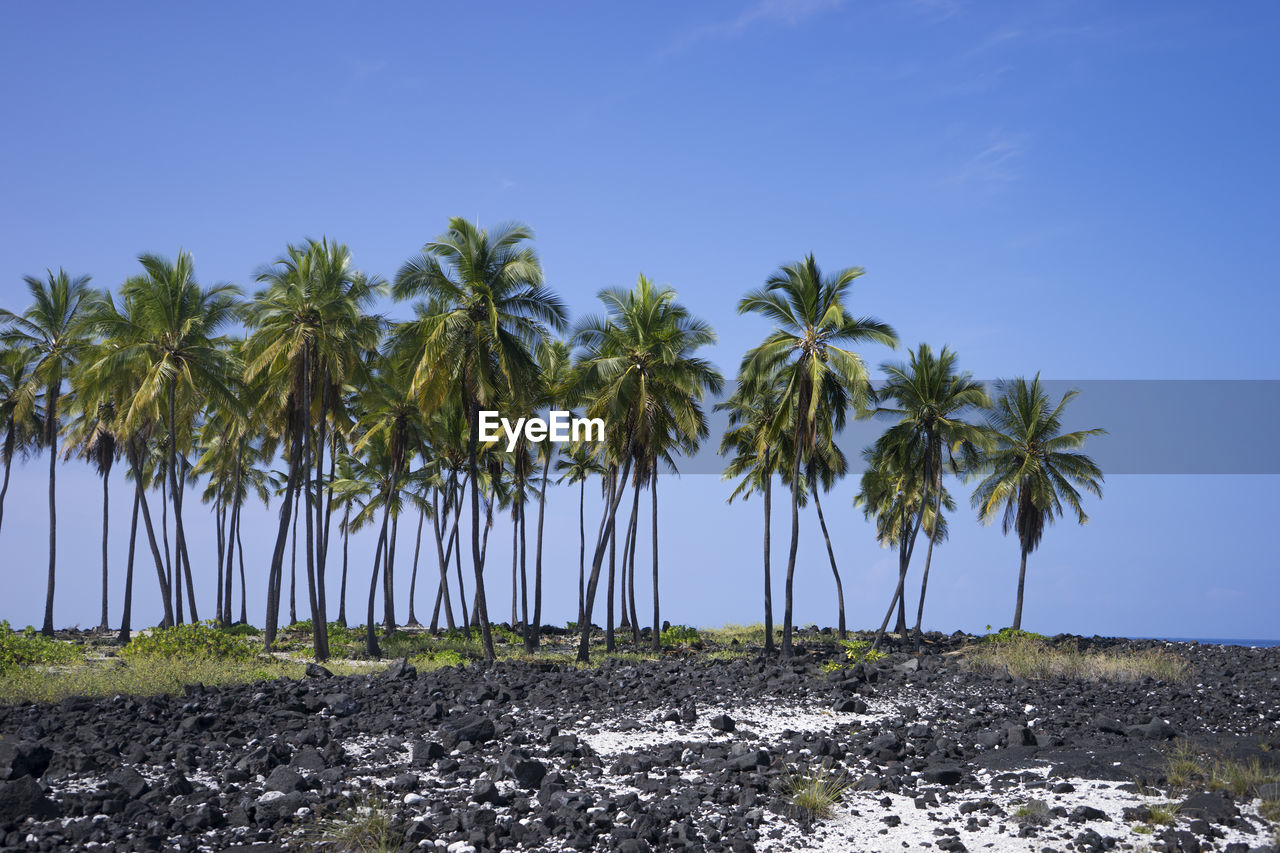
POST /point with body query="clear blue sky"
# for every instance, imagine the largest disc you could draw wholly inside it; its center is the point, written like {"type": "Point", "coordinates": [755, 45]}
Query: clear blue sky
{"type": "Point", "coordinates": [1090, 190]}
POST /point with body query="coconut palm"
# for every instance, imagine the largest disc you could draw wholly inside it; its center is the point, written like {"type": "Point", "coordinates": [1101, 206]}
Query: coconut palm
{"type": "Point", "coordinates": [486, 309]}
{"type": "Point", "coordinates": [170, 336]}
{"type": "Point", "coordinates": [642, 378]}
{"type": "Point", "coordinates": [1033, 467]}
{"type": "Point", "coordinates": [809, 349]}
{"type": "Point", "coordinates": [52, 329]}
{"type": "Point", "coordinates": [310, 333]}
{"type": "Point", "coordinates": [931, 399]}
{"type": "Point", "coordinates": [20, 413]}
{"type": "Point", "coordinates": [554, 358]}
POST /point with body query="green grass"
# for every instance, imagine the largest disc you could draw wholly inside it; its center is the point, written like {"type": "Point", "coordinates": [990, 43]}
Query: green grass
{"type": "Point", "coordinates": [202, 641]}
{"type": "Point", "coordinates": [365, 826]}
{"type": "Point", "coordinates": [1188, 768]}
{"type": "Point", "coordinates": [1162, 814]}
{"type": "Point", "coordinates": [144, 676]}
{"type": "Point", "coordinates": [1037, 659]}
{"type": "Point", "coordinates": [1032, 813]}
{"type": "Point", "coordinates": [814, 792]}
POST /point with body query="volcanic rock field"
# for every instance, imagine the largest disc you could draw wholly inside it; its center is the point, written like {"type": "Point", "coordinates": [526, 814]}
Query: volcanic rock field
{"type": "Point", "coordinates": [686, 753]}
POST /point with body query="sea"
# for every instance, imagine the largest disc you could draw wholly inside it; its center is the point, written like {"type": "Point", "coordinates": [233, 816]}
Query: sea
{"type": "Point", "coordinates": [1215, 641]}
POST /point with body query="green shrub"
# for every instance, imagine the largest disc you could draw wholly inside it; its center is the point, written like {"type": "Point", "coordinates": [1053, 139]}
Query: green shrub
{"type": "Point", "coordinates": [242, 629]}
{"type": "Point", "coordinates": [860, 650]}
{"type": "Point", "coordinates": [28, 648]}
{"type": "Point", "coordinates": [195, 641]}
{"type": "Point", "coordinates": [680, 635]}
{"type": "Point", "coordinates": [1005, 635]}
{"type": "Point", "coordinates": [814, 792]}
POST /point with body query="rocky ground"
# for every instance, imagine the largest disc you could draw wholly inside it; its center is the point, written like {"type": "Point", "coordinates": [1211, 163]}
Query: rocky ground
{"type": "Point", "coordinates": [684, 753]}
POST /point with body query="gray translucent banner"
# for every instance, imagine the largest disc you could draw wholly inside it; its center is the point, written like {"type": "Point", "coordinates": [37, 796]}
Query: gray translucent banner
{"type": "Point", "coordinates": [1154, 426]}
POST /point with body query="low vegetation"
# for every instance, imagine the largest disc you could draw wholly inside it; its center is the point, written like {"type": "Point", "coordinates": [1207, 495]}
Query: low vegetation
{"type": "Point", "coordinates": [1187, 768]}
{"type": "Point", "coordinates": [1032, 813]}
{"type": "Point", "coordinates": [813, 792]}
{"type": "Point", "coordinates": [1033, 657]}
{"type": "Point", "coordinates": [364, 827]}
{"type": "Point", "coordinates": [27, 648]}
{"type": "Point", "coordinates": [200, 641]}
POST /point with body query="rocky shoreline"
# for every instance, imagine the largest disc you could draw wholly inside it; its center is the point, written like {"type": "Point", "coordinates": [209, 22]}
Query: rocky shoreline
{"type": "Point", "coordinates": [689, 752]}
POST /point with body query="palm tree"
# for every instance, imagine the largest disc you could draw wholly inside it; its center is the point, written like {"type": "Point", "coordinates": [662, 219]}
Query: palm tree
{"type": "Point", "coordinates": [1033, 467]}
{"type": "Point", "coordinates": [20, 414]}
{"type": "Point", "coordinates": [820, 374]}
{"type": "Point", "coordinates": [170, 334]}
{"type": "Point", "coordinates": [53, 330]}
{"type": "Point", "coordinates": [92, 437]}
{"type": "Point", "coordinates": [311, 332]}
{"type": "Point", "coordinates": [486, 309]}
{"type": "Point", "coordinates": [930, 401]}
{"type": "Point", "coordinates": [758, 448]}
{"type": "Point", "coordinates": [555, 384]}
{"type": "Point", "coordinates": [643, 378]}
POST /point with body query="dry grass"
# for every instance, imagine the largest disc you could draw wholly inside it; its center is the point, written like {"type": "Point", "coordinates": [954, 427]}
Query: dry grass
{"type": "Point", "coordinates": [141, 677]}
{"type": "Point", "coordinates": [364, 827]}
{"type": "Point", "coordinates": [1036, 659]}
{"type": "Point", "coordinates": [1188, 768]}
{"type": "Point", "coordinates": [813, 792]}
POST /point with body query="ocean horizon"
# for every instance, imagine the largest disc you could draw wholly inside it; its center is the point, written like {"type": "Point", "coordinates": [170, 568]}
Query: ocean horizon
{"type": "Point", "coordinates": [1215, 641]}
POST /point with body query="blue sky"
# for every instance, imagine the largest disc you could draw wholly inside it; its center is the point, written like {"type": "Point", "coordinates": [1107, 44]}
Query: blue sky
{"type": "Point", "coordinates": [1084, 189]}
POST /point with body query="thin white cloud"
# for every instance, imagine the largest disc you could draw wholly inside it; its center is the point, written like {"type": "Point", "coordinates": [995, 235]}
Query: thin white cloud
{"type": "Point", "coordinates": [996, 162]}
{"type": "Point", "coordinates": [764, 12]}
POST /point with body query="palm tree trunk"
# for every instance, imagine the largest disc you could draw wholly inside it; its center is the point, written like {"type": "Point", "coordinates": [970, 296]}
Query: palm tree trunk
{"type": "Point", "coordinates": [928, 554]}
{"type": "Point", "coordinates": [831, 555]}
{"type": "Point", "coordinates": [225, 616]}
{"type": "Point", "coordinates": [473, 447]}
{"type": "Point", "coordinates": [787, 650]}
{"type": "Point", "coordinates": [371, 635]}
{"type": "Point", "coordinates": [342, 590]}
{"type": "Point", "coordinates": [515, 563]}
{"type": "Point", "coordinates": [244, 612]}
{"type": "Point", "coordinates": [321, 533]}
{"type": "Point", "coordinates": [534, 636]}
{"type": "Point", "coordinates": [413, 573]}
{"type": "Point", "coordinates": [127, 616]}
{"type": "Point", "coordinates": [1022, 579]}
{"type": "Point", "coordinates": [10, 439]}
{"type": "Point", "coordinates": [168, 562]}
{"type": "Point", "coordinates": [293, 566]}
{"type": "Point", "coordinates": [443, 558]}
{"type": "Point", "coordinates": [524, 574]}
{"type": "Point", "coordinates": [389, 573]}
{"type": "Point", "coordinates": [51, 439]}
{"type": "Point", "coordinates": [603, 538]}
{"type": "Point", "coordinates": [275, 576]}
{"type": "Point", "coordinates": [455, 542]}
{"type": "Point", "coordinates": [221, 518]}
{"type": "Point", "coordinates": [180, 536]}
{"type": "Point", "coordinates": [768, 583]}
{"type": "Point", "coordinates": [614, 486]}
{"type": "Point", "coordinates": [582, 548]}
{"type": "Point", "coordinates": [906, 545]}
{"type": "Point", "coordinates": [629, 562]}
{"type": "Point", "coordinates": [657, 622]}
{"type": "Point", "coordinates": [102, 623]}
{"type": "Point", "coordinates": [628, 568]}
{"type": "Point", "coordinates": [141, 495]}
{"type": "Point", "coordinates": [310, 509]}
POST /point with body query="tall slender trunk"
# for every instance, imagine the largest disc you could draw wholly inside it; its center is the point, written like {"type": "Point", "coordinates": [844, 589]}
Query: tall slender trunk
{"type": "Point", "coordinates": [51, 439]}
{"type": "Point", "coordinates": [275, 576]}
{"type": "Point", "coordinates": [628, 568]}
{"type": "Point", "coordinates": [582, 548]}
{"type": "Point", "coordinates": [443, 559]}
{"type": "Point", "coordinates": [936, 480]}
{"type": "Point", "coordinates": [168, 561]}
{"type": "Point", "coordinates": [293, 567]}
{"type": "Point", "coordinates": [370, 634]}
{"type": "Point", "coordinates": [141, 495]}
{"type": "Point", "coordinates": [534, 635]}
{"type": "Point", "coordinates": [455, 541]}
{"type": "Point", "coordinates": [126, 617]}
{"type": "Point", "coordinates": [629, 559]}
{"type": "Point", "coordinates": [244, 612]}
{"type": "Point", "coordinates": [768, 583]}
{"type": "Point", "coordinates": [1022, 580]}
{"type": "Point", "coordinates": [907, 533]}
{"type": "Point", "coordinates": [515, 563]}
{"type": "Point", "coordinates": [831, 555]}
{"type": "Point", "coordinates": [310, 509]}
{"type": "Point", "coordinates": [342, 590]}
{"type": "Point", "coordinates": [225, 616]}
{"type": "Point", "coordinates": [221, 518]}
{"type": "Point", "coordinates": [182, 559]}
{"type": "Point", "coordinates": [657, 620]}
{"type": "Point", "coordinates": [787, 650]}
{"type": "Point", "coordinates": [620, 489]}
{"type": "Point", "coordinates": [524, 574]}
{"type": "Point", "coordinates": [413, 573]}
{"type": "Point", "coordinates": [473, 452]}
{"type": "Point", "coordinates": [321, 533]}
{"type": "Point", "coordinates": [603, 538]}
{"type": "Point", "coordinates": [106, 480]}
{"type": "Point", "coordinates": [389, 572]}
{"type": "Point", "coordinates": [10, 439]}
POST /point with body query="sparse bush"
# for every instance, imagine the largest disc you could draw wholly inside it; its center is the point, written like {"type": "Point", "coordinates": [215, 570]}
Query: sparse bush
{"type": "Point", "coordinates": [1162, 814]}
{"type": "Point", "coordinates": [1240, 778]}
{"type": "Point", "coordinates": [29, 648]}
{"type": "Point", "coordinates": [1032, 658]}
{"type": "Point", "coordinates": [860, 650]}
{"type": "Point", "coordinates": [364, 827]}
{"type": "Point", "coordinates": [680, 635]}
{"type": "Point", "coordinates": [1032, 813]}
{"type": "Point", "coordinates": [203, 640]}
{"type": "Point", "coordinates": [813, 792]}
{"type": "Point", "coordinates": [1005, 635]}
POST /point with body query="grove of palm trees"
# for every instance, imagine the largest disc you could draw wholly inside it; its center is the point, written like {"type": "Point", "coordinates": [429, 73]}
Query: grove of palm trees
{"type": "Point", "coordinates": [299, 388]}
